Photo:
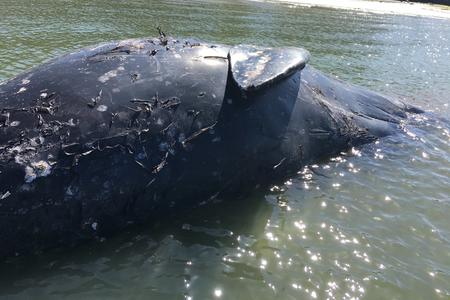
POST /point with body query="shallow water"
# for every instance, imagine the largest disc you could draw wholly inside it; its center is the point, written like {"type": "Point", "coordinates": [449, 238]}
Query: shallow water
{"type": "Point", "coordinates": [372, 223]}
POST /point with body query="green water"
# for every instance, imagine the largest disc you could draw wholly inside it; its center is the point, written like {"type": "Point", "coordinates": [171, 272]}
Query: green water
{"type": "Point", "coordinates": [371, 224]}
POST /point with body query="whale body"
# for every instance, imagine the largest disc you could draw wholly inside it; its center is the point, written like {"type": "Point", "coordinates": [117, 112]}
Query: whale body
{"type": "Point", "coordinates": [116, 134]}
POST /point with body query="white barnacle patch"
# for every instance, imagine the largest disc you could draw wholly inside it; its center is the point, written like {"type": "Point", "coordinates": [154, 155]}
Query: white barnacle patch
{"type": "Point", "coordinates": [14, 123]}
{"type": "Point", "coordinates": [108, 75]}
{"type": "Point", "coordinates": [43, 95]}
{"type": "Point", "coordinates": [25, 81]}
{"type": "Point", "coordinates": [102, 108]}
{"type": "Point", "coordinates": [37, 169]}
{"type": "Point", "coordinates": [21, 90]}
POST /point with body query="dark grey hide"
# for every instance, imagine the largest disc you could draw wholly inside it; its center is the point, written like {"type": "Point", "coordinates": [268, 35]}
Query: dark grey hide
{"type": "Point", "coordinates": [96, 140]}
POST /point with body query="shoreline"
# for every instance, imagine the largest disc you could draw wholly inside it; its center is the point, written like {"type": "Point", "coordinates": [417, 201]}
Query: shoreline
{"type": "Point", "coordinates": [378, 7]}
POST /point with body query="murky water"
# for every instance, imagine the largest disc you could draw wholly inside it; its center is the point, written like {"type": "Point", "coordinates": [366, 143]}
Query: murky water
{"type": "Point", "coordinates": [372, 223]}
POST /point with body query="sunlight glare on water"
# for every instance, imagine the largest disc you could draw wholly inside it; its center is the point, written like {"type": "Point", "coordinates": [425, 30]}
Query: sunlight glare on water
{"type": "Point", "coordinates": [371, 223]}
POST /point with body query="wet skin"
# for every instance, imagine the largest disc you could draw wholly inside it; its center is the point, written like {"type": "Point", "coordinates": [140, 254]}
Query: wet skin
{"type": "Point", "coordinates": [110, 136]}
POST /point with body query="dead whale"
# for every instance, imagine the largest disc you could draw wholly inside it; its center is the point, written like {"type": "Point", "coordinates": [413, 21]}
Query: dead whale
{"type": "Point", "coordinates": [113, 135]}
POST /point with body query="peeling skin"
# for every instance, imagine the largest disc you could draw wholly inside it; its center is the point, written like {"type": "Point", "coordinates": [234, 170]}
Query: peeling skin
{"type": "Point", "coordinates": [198, 133]}
{"type": "Point", "coordinates": [254, 68]}
{"type": "Point", "coordinates": [107, 76]}
{"type": "Point", "coordinates": [258, 69]}
{"type": "Point", "coordinates": [21, 90]}
{"type": "Point", "coordinates": [102, 108]}
{"type": "Point", "coordinates": [37, 169]}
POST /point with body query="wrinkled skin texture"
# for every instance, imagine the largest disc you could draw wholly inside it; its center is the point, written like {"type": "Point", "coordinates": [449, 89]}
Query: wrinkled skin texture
{"type": "Point", "coordinates": [110, 136]}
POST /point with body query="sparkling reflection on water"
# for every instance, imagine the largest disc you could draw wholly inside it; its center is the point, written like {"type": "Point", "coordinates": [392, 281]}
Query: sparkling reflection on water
{"type": "Point", "coordinates": [371, 223]}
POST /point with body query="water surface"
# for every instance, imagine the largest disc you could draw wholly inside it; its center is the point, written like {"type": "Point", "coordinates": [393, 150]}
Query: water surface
{"type": "Point", "coordinates": [372, 223]}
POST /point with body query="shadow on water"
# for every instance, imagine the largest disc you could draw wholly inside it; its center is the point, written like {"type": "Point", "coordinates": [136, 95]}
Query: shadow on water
{"type": "Point", "coordinates": [215, 224]}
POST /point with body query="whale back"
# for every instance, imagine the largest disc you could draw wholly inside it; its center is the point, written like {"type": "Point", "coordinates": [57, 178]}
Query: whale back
{"type": "Point", "coordinates": [109, 135]}
{"type": "Point", "coordinates": [124, 132]}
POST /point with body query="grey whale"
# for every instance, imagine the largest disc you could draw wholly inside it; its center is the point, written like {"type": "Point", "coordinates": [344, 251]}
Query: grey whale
{"type": "Point", "coordinates": [116, 134]}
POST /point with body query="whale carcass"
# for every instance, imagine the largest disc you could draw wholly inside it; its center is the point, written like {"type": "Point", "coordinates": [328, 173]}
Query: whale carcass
{"type": "Point", "coordinates": [97, 140]}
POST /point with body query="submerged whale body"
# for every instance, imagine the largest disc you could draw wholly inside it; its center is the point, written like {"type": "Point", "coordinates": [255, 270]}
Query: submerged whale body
{"type": "Point", "coordinates": [105, 137]}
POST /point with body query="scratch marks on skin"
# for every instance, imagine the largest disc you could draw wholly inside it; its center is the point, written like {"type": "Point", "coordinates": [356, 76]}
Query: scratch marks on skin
{"type": "Point", "coordinates": [71, 149]}
{"type": "Point", "coordinates": [141, 165]}
{"type": "Point", "coordinates": [121, 49]}
{"type": "Point", "coordinates": [155, 103]}
{"type": "Point", "coordinates": [320, 132]}
{"type": "Point", "coordinates": [171, 103]}
{"type": "Point", "coordinates": [198, 133]}
{"type": "Point", "coordinates": [5, 195]}
{"type": "Point", "coordinates": [194, 115]}
{"type": "Point", "coordinates": [280, 163]}
{"type": "Point", "coordinates": [161, 165]}
{"type": "Point", "coordinates": [156, 169]}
